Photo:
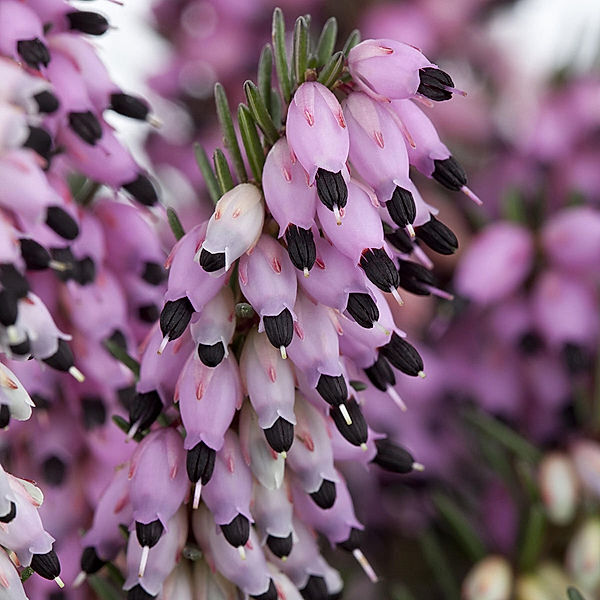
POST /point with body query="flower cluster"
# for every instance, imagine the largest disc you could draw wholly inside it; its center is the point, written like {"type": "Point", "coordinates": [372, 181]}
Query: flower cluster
{"type": "Point", "coordinates": [75, 279]}
{"type": "Point", "coordinates": [281, 296]}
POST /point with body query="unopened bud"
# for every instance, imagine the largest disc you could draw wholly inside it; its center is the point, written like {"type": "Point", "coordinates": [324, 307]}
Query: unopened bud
{"type": "Point", "coordinates": [583, 555]}
{"type": "Point", "coordinates": [236, 224]}
{"type": "Point", "coordinates": [490, 579]}
{"type": "Point", "coordinates": [559, 487]}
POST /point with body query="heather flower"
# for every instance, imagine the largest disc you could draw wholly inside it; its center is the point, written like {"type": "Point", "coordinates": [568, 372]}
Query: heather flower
{"type": "Point", "coordinates": [372, 61]}
{"type": "Point", "coordinates": [26, 537]}
{"type": "Point", "coordinates": [22, 35]}
{"type": "Point", "coordinates": [233, 229]}
{"type": "Point", "coordinates": [268, 281]}
{"type": "Point", "coordinates": [565, 310]}
{"type": "Point", "coordinates": [103, 541]}
{"type": "Point", "coordinates": [249, 572]}
{"type": "Point", "coordinates": [161, 560]}
{"type": "Point", "coordinates": [378, 152]}
{"type": "Point", "coordinates": [208, 398]}
{"type": "Point", "coordinates": [312, 458]}
{"type": "Point", "coordinates": [427, 152]}
{"type": "Point", "coordinates": [269, 382]}
{"type": "Point", "coordinates": [291, 200]}
{"type": "Point", "coordinates": [12, 588]}
{"type": "Point", "coordinates": [158, 458]}
{"type": "Point", "coordinates": [305, 566]}
{"type": "Point", "coordinates": [214, 327]}
{"type": "Point", "coordinates": [490, 579]}
{"type": "Point", "coordinates": [266, 465]}
{"type": "Point", "coordinates": [336, 282]}
{"type": "Point", "coordinates": [187, 290]}
{"type": "Point", "coordinates": [318, 137]}
{"type": "Point", "coordinates": [571, 239]}
{"type": "Point", "coordinates": [495, 264]}
{"type": "Point", "coordinates": [273, 511]}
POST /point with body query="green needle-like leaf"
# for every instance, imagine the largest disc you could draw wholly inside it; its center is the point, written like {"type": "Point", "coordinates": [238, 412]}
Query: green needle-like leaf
{"type": "Point", "coordinates": [115, 573]}
{"type": "Point", "coordinates": [353, 40]}
{"type": "Point", "coordinates": [265, 70]}
{"type": "Point", "coordinates": [533, 537]}
{"type": "Point", "coordinates": [439, 565]}
{"type": "Point", "coordinates": [281, 64]}
{"type": "Point", "coordinates": [504, 435]}
{"type": "Point", "coordinates": [326, 42]}
{"type": "Point", "coordinates": [175, 223]}
{"type": "Point", "coordinates": [276, 108]}
{"type": "Point", "coordinates": [209, 176]}
{"type": "Point", "coordinates": [463, 531]}
{"type": "Point", "coordinates": [231, 143]}
{"type": "Point", "coordinates": [222, 170]}
{"type": "Point", "coordinates": [121, 355]}
{"type": "Point", "coordinates": [252, 145]}
{"type": "Point", "coordinates": [260, 112]}
{"type": "Point", "coordinates": [103, 589]}
{"type": "Point", "coordinates": [574, 594]}
{"type": "Point", "coordinates": [357, 385]}
{"type": "Point", "coordinates": [332, 70]}
{"type": "Point", "coordinates": [300, 50]}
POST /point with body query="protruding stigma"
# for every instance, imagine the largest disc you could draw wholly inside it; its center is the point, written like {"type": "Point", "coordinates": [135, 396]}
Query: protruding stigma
{"type": "Point", "coordinates": [163, 345]}
{"type": "Point", "coordinates": [76, 374]}
{"type": "Point", "coordinates": [393, 394]}
{"type": "Point", "coordinates": [469, 193]}
{"type": "Point", "coordinates": [397, 297]}
{"type": "Point", "coordinates": [197, 493]}
{"type": "Point", "coordinates": [345, 414]}
{"type": "Point", "coordinates": [364, 563]}
{"type": "Point", "coordinates": [143, 561]}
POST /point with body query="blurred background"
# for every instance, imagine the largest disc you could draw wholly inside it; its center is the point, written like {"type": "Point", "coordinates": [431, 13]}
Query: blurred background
{"type": "Point", "coordinates": [507, 421]}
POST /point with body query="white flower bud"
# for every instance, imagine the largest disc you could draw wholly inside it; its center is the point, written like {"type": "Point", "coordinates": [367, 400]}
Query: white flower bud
{"type": "Point", "coordinates": [586, 458]}
{"type": "Point", "coordinates": [236, 224]}
{"type": "Point", "coordinates": [559, 487]}
{"type": "Point", "coordinates": [529, 587]}
{"type": "Point", "coordinates": [490, 579]}
{"type": "Point", "coordinates": [583, 555]}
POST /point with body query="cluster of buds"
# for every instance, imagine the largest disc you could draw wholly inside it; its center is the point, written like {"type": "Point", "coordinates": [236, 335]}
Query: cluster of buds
{"type": "Point", "coordinates": [276, 332]}
{"type": "Point", "coordinates": [569, 484]}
